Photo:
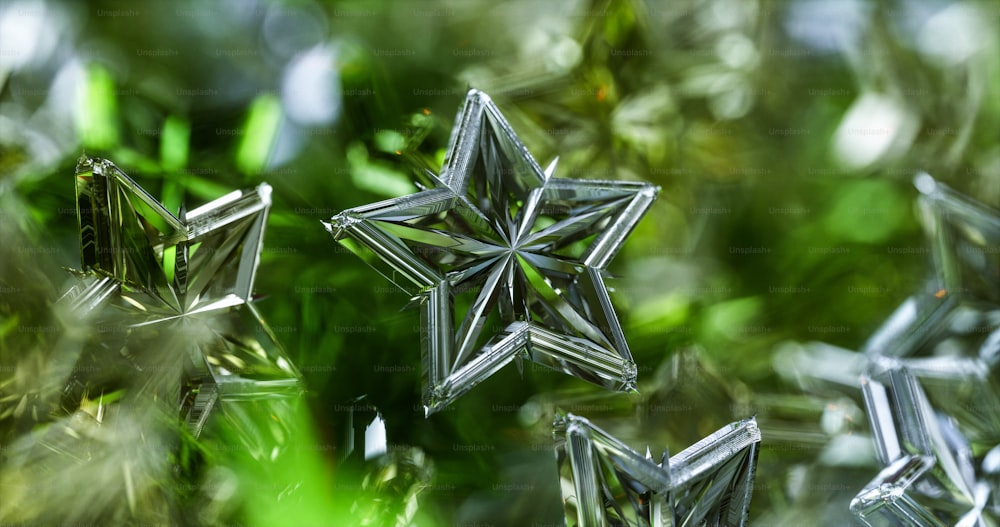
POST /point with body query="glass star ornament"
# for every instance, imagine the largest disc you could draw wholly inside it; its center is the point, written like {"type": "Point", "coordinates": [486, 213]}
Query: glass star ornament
{"type": "Point", "coordinates": [604, 482]}
{"type": "Point", "coordinates": [176, 288]}
{"type": "Point", "coordinates": [506, 261]}
{"type": "Point", "coordinates": [934, 373]}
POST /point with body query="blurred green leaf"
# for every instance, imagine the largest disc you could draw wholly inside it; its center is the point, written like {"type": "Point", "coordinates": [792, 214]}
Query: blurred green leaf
{"type": "Point", "coordinates": [390, 141]}
{"type": "Point", "coordinates": [174, 141]}
{"type": "Point", "coordinates": [294, 474]}
{"type": "Point", "coordinates": [258, 134]}
{"type": "Point", "coordinates": [866, 211]}
{"type": "Point", "coordinates": [661, 313]}
{"type": "Point", "coordinates": [137, 162]}
{"type": "Point", "coordinates": [97, 109]}
{"type": "Point", "coordinates": [376, 177]}
{"type": "Point", "coordinates": [733, 319]}
{"type": "Point", "coordinates": [205, 189]}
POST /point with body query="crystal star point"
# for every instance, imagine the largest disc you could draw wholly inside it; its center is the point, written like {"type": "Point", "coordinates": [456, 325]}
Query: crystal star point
{"type": "Point", "coordinates": [507, 261]}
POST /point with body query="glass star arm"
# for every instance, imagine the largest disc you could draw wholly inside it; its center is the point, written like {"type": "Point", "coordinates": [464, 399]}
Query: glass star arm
{"type": "Point", "coordinates": [965, 240]}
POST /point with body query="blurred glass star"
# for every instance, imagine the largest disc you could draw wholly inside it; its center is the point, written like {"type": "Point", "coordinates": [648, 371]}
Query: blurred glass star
{"type": "Point", "coordinates": [929, 475]}
{"type": "Point", "coordinates": [935, 384]}
{"type": "Point", "coordinates": [519, 255]}
{"type": "Point", "coordinates": [605, 482]}
{"type": "Point", "coordinates": [183, 285]}
{"type": "Point", "coordinates": [965, 243]}
{"type": "Point", "coordinates": [948, 336]}
{"type": "Point", "coordinates": [964, 236]}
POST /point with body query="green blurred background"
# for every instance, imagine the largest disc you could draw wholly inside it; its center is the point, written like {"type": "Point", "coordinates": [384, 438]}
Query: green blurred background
{"type": "Point", "coordinates": [784, 135]}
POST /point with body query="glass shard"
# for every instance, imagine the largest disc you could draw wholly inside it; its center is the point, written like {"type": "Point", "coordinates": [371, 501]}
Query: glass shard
{"type": "Point", "coordinates": [605, 482]}
{"type": "Point", "coordinates": [153, 276]}
{"type": "Point", "coordinates": [505, 260]}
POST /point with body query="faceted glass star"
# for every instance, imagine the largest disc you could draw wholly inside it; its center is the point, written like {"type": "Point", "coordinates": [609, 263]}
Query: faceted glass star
{"type": "Point", "coordinates": [605, 482]}
{"type": "Point", "coordinates": [182, 279]}
{"type": "Point", "coordinates": [935, 379]}
{"type": "Point", "coordinates": [516, 255]}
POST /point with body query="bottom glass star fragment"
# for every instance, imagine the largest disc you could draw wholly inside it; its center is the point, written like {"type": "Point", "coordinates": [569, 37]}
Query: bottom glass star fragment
{"type": "Point", "coordinates": [604, 482]}
{"type": "Point", "coordinates": [929, 478]}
